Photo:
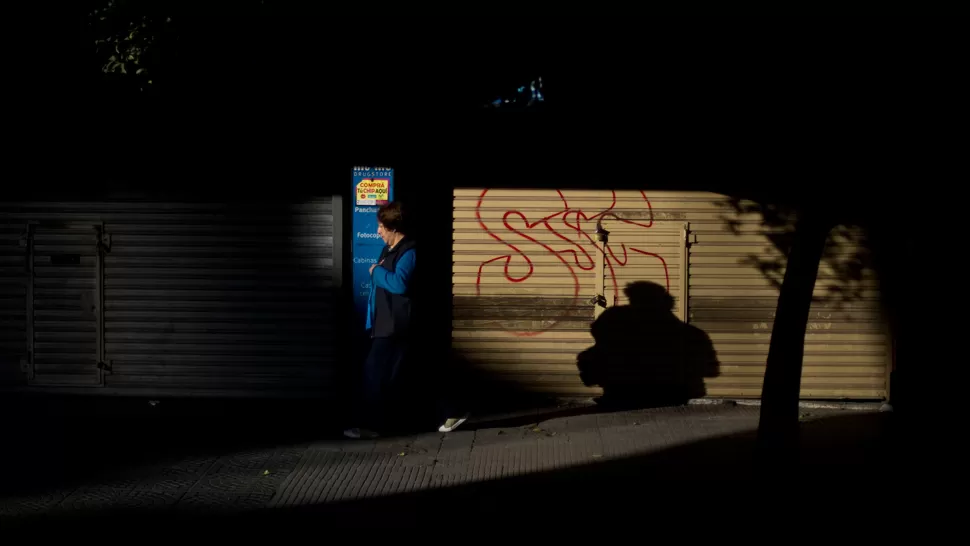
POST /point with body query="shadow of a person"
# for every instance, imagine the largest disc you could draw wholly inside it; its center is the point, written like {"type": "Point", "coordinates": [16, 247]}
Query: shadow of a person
{"type": "Point", "coordinates": [644, 356]}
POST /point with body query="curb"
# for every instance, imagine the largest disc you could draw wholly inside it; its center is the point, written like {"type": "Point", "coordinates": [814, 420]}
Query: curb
{"type": "Point", "coordinates": [803, 404]}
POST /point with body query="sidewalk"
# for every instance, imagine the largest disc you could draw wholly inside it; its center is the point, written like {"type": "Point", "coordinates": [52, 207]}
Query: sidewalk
{"type": "Point", "coordinates": [581, 455]}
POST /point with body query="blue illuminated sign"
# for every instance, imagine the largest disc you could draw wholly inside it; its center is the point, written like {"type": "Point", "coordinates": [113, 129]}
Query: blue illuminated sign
{"type": "Point", "coordinates": [373, 187]}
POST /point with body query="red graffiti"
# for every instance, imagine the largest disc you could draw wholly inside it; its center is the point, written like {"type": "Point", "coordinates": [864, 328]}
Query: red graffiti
{"type": "Point", "coordinates": [572, 258]}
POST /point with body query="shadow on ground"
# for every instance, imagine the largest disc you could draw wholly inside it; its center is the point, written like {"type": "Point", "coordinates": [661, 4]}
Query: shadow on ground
{"type": "Point", "coordinates": [845, 463]}
{"type": "Point", "coordinates": [64, 442]}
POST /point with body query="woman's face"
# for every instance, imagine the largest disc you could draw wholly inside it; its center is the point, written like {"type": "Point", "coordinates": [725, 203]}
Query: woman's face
{"type": "Point", "coordinates": [385, 233]}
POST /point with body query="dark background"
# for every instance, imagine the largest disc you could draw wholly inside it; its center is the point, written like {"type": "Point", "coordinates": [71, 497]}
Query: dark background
{"type": "Point", "coordinates": [852, 118]}
{"type": "Point", "coordinates": [256, 92]}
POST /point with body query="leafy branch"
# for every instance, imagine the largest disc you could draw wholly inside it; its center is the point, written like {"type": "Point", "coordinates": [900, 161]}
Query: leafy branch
{"type": "Point", "coordinates": [126, 36]}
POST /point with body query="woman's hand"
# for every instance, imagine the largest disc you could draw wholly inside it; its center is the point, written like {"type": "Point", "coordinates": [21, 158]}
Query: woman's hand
{"type": "Point", "coordinates": [375, 265]}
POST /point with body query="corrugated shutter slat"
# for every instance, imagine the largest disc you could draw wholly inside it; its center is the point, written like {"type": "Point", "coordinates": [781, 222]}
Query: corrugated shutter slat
{"type": "Point", "coordinates": [13, 300]}
{"type": "Point", "coordinates": [523, 275]}
{"type": "Point", "coordinates": [199, 299]}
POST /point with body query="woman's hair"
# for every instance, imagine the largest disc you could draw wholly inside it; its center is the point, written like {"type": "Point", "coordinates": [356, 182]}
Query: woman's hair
{"type": "Point", "coordinates": [391, 216]}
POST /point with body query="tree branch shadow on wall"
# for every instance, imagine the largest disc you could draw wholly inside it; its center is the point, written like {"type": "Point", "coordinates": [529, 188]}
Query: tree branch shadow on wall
{"type": "Point", "coordinates": [845, 260]}
{"type": "Point", "coordinates": [869, 266]}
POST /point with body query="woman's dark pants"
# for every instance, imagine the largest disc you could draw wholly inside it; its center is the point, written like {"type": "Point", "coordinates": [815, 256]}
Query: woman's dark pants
{"type": "Point", "coordinates": [382, 369]}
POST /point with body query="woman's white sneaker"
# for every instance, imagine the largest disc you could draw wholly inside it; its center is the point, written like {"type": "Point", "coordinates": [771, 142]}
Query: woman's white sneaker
{"type": "Point", "coordinates": [452, 424]}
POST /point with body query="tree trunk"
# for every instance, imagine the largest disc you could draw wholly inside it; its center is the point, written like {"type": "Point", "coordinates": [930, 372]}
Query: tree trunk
{"type": "Point", "coordinates": [778, 428]}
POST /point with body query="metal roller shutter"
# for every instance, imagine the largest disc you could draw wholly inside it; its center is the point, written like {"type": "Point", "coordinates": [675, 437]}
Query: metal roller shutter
{"type": "Point", "coordinates": [66, 301]}
{"type": "Point", "coordinates": [204, 298]}
{"type": "Point", "coordinates": [525, 272]}
{"type": "Point", "coordinates": [735, 275]}
{"type": "Point", "coordinates": [13, 302]}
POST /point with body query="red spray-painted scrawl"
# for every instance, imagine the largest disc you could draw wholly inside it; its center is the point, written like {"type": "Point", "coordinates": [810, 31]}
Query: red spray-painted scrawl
{"type": "Point", "coordinates": [573, 257]}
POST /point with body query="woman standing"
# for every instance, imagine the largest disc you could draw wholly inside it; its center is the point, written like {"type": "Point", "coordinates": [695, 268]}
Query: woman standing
{"type": "Point", "coordinates": [389, 318]}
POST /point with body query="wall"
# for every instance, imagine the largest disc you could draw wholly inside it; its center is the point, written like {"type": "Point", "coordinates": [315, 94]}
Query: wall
{"type": "Point", "coordinates": [196, 299]}
{"type": "Point", "coordinates": [523, 276]}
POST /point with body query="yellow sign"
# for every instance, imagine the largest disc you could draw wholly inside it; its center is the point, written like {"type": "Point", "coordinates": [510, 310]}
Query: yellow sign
{"type": "Point", "coordinates": [372, 191]}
